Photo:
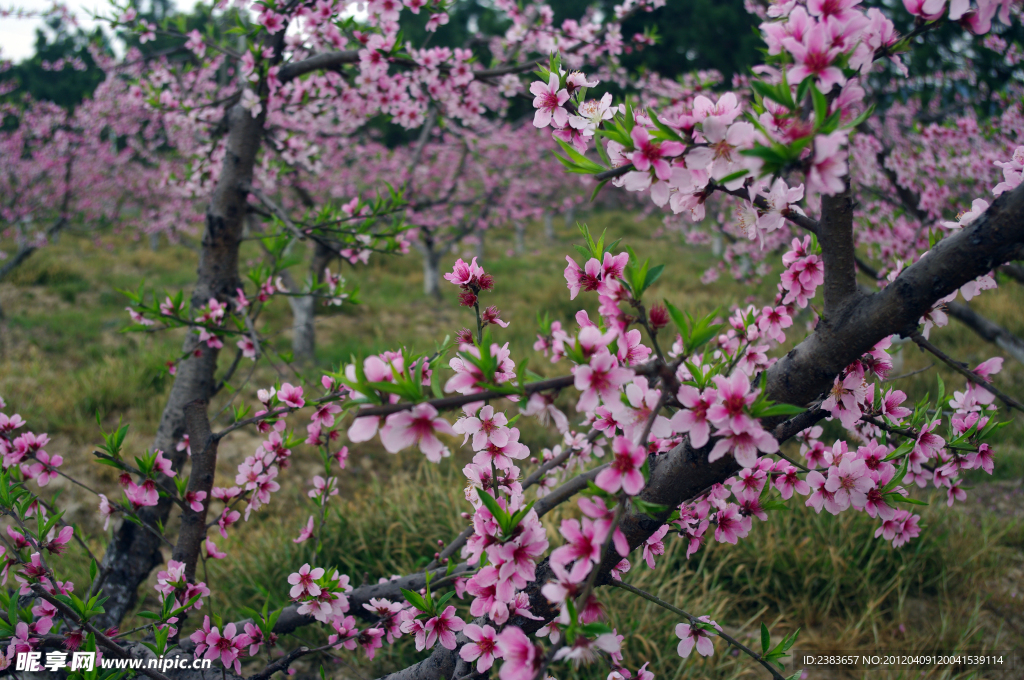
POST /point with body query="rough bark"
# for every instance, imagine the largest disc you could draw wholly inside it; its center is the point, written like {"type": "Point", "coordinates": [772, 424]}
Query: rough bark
{"type": "Point", "coordinates": [839, 254]}
{"type": "Point", "coordinates": [134, 551]}
{"type": "Point", "coordinates": [204, 466]}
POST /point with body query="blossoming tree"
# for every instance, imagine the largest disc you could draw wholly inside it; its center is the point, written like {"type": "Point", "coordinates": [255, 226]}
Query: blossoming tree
{"type": "Point", "coordinates": [679, 421]}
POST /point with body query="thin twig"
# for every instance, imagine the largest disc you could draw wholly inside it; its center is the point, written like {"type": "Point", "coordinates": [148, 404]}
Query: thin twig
{"type": "Point", "coordinates": [693, 619]}
{"type": "Point", "coordinates": [923, 343]}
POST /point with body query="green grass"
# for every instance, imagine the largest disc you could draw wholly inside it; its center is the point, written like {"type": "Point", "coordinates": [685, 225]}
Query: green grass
{"type": "Point", "coordinates": [65, 359]}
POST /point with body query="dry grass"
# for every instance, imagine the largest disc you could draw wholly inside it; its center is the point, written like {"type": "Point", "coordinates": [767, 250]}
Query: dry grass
{"type": "Point", "coordinates": [959, 585]}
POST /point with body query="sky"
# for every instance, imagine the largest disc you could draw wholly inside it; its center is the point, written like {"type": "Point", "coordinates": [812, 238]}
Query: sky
{"type": "Point", "coordinates": [18, 36]}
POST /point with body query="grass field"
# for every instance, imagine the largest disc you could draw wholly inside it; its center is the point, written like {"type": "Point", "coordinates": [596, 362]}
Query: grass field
{"type": "Point", "coordinates": [960, 585]}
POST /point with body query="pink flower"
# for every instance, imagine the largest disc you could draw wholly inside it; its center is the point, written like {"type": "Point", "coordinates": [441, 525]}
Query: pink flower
{"type": "Point", "coordinates": [588, 278]}
{"type": "Point", "coordinates": [194, 500]}
{"type": "Point", "coordinates": [650, 154]}
{"type": "Point", "coordinates": [788, 481]}
{"type": "Point", "coordinates": [45, 469]}
{"type": "Point", "coordinates": [273, 22]}
{"type": "Point", "coordinates": [484, 646]}
{"type": "Point", "coordinates": [324, 414]}
{"type": "Point", "coordinates": [227, 646]}
{"type": "Point", "coordinates": [743, 445]}
{"type": "Point", "coordinates": [731, 525]}
{"type": "Point", "coordinates": [302, 582]}
{"type": "Point", "coordinates": [443, 628]}
{"type": "Point", "coordinates": [212, 552]}
{"type": "Point", "coordinates": [583, 544]}
{"type": "Point", "coordinates": [829, 164]}
{"type": "Point", "coordinates": [487, 427]}
{"type": "Point", "coordinates": [654, 545]}
{"type": "Point", "coordinates": [691, 636]}
{"type": "Point", "coordinates": [814, 56]}
{"type": "Point", "coordinates": [891, 405]}
{"type": "Point", "coordinates": [463, 274]}
{"type": "Point", "coordinates": [624, 470]}
{"type": "Point", "coordinates": [820, 496]}
{"type": "Point", "coordinates": [602, 379]}
{"type": "Point", "coordinates": [419, 425]}
{"type": "Point", "coordinates": [849, 483]}
{"type": "Point", "coordinates": [370, 641]}
{"type": "Point", "coordinates": [928, 9]}
{"type": "Point", "coordinates": [845, 398]}
{"type": "Point", "coordinates": [522, 658]}
{"type": "Point", "coordinates": [694, 418]}
{"type": "Point", "coordinates": [106, 511]}
{"type": "Point", "coordinates": [548, 101]}
{"type": "Point", "coordinates": [57, 544]}
{"type": "Point", "coordinates": [306, 533]}
{"type": "Point", "coordinates": [142, 495]}
{"type": "Point", "coordinates": [291, 396]}
{"type": "Point", "coordinates": [734, 396]}
{"type": "Point", "coordinates": [727, 109]}
{"type": "Point", "coordinates": [248, 348]}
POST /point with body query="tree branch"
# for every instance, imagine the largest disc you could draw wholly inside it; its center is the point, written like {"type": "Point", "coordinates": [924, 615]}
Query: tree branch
{"type": "Point", "coordinates": [838, 252]}
{"type": "Point", "coordinates": [989, 330]}
{"type": "Point", "coordinates": [204, 465]}
{"type": "Point", "coordinates": [324, 60]}
{"type": "Point", "coordinates": [966, 372]}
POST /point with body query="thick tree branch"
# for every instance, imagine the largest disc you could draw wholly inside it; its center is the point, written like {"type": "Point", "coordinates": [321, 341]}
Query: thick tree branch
{"type": "Point", "coordinates": [1014, 271]}
{"type": "Point", "coordinates": [838, 252]}
{"type": "Point", "coordinates": [324, 60]}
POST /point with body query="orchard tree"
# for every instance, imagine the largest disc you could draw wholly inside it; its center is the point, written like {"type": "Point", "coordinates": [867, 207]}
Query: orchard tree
{"type": "Point", "coordinates": [679, 420]}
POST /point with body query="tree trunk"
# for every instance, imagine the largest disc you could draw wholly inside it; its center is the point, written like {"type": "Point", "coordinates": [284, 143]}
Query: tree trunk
{"type": "Point", "coordinates": [303, 328]}
{"type": "Point", "coordinates": [520, 238]}
{"type": "Point", "coordinates": [549, 226]}
{"type": "Point", "coordinates": [570, 216]}
{"type": "Point", "coordinates": [431, 271]}
{"type": "Point", "coordinates": [134, 551]}
{"type": "Point", "coordinates": [480, 244]}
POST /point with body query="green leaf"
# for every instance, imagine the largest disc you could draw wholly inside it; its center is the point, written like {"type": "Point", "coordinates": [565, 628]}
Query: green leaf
{"type": "Point", "coordinates": [766, 639]}
{"type": "Point", "coordinates": [732, 176]}
{"type": "Point", "coordinates": [444, 599]}
{"type": "Point", "coordinates": [820, 106]}
{"type": "Point", "coordinates": [492, 505]}
{"type": "Point", "coordinates": [897, 498]}
{"type": "Point", "coordinates": [592, 630]}
{"type": "Point", "coordinates": [653, 274]}
{"type": "Point", "coordinates": [780, 410]}
{"type": "Point", "coordinates": [581, 160]}
{"type": "Point", "coordinates": [416, 600]}
{"type": "Point", "coordinates": [652, 510]}
{"type": "Point", "coordinates": [856, 122]}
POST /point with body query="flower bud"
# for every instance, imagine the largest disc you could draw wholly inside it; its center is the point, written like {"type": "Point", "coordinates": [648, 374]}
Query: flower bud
{"type": "Point", "coordinates": [659, 317]}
